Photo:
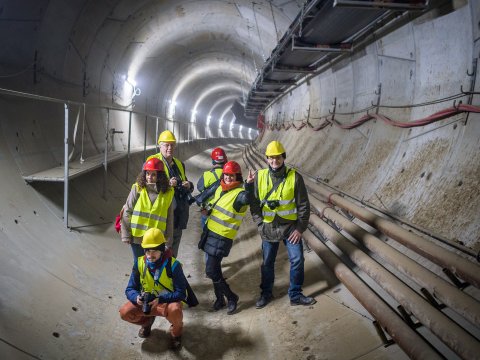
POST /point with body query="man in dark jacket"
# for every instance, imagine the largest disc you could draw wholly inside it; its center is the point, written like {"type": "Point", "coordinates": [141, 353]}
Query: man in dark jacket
{"type": "Point", "coordinates": [175, 171]}
{"type": "Point", "coordinates": [281, 210]}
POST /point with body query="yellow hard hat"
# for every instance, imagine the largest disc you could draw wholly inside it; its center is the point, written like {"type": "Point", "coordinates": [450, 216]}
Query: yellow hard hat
{"type": "Point", "coordinates": [167, 137]}
{"type": "Point", "coordinates": [274, 148]}
{"type": "Point", "coordinates": [153, 238]}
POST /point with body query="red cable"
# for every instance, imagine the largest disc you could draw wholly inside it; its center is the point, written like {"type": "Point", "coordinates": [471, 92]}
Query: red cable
{"type": "Point", "coordinates": [440, 115]}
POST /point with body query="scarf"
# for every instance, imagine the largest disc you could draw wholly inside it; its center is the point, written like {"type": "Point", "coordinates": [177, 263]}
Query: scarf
{"type": "Point", "coordinates": [152, 265]}
{"type": "Point", "coordinates": [232, 185]}
{"type": "Point", "coordinates": [277, 172]}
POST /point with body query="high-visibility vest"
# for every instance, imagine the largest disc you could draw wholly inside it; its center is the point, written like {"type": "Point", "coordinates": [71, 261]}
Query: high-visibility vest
{"type": "Point", "coordinates": [163, 283]}
{"type": "Point", "coordinates": [209, 176]}
{"type": "Point", "coordinates": [224, 220]}
{"type": "Point", "coordinates": [165, 167]}
{"type": "Point", "coordinates": [284, 193]}
{"type": "Point", "coordinates": [147, 215]}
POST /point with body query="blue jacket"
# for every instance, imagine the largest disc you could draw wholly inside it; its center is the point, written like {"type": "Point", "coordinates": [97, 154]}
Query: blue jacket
{"type": "Point", "coordinates": [134, 286]}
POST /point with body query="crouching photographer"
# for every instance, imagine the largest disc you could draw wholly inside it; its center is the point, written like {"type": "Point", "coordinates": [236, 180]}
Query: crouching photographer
{"type": "Point", "coordinates": [157, 287]}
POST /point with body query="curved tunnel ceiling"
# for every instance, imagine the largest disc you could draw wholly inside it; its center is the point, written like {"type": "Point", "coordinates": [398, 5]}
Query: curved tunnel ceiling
{"type": "Point", "coordinates": [175, 51]}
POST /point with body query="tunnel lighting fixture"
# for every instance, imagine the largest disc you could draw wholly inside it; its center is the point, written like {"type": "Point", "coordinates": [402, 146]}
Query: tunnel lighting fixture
{"type": "Point", "coordinates": [130, 89]}
{"type": "Point", "coordinates": [171, 109]}
{"type": "Point", "coordinates": [131, 81]}
{"type": "Point", "coordinates": [194, 115]}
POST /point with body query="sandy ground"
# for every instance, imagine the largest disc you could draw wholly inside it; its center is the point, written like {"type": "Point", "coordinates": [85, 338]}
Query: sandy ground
{"type": "Point", "coordinates": [328, 330]}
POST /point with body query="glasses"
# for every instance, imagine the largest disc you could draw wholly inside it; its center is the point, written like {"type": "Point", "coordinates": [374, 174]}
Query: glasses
{"type": "Point", "coordinates": [168, 145]}
{"type": "Point", "coordinates": [275, 157]}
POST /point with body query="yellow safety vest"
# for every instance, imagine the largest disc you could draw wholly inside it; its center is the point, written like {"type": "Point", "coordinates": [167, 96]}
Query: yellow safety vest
{"type": "Point", "coordinates": [224, 220]}
{"type": "Point", "coordinates": [147, 215]}
{"type": "Point", "coordinates": [284, 193]}
{"type": "Point", "coordinates": [165, 167]}
{"type": "Point", "coordinates": [209, 176]}
{"type": "Point", "coordinates": [147, 281]}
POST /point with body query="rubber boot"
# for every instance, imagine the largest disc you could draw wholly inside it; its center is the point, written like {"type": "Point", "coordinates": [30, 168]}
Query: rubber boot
{"type": "Point", "coordinates": [220, 301]}
{"type": "Point", "coordinates": [232, 298]}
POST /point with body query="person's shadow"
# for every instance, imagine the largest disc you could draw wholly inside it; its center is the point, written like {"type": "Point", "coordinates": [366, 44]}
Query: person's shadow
{"type": "Point", "coordinates": [198, 340]}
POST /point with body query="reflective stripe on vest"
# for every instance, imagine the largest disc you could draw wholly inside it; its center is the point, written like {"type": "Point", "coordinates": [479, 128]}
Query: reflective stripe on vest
{"type": "Point", "coordinates": [284, 193]}
{"type": "Point", "coordinates": [224, 219]}
{"type": "Point", "coordinates": [146, 216]}
{"type": "Point", "coordinates": [147, 281]}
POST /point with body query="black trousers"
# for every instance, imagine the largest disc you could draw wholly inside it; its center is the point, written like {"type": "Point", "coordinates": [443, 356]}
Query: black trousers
{"type": "Point", "coordinates": [213, 268]}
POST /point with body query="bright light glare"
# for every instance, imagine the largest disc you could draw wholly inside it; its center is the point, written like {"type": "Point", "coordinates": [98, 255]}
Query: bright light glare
{"type": "Point", "coordinates": [131, 81]}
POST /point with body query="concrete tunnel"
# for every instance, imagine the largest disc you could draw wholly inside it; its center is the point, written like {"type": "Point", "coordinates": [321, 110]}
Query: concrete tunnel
{"type": "Point", "coordinates": [377, 104]}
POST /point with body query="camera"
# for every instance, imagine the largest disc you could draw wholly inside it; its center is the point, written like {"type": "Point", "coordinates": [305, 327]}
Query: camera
{"type": "Point", "coordinates": [147, 297]}
{"type": "Point", "coordinates": [273, 204]}
{"type": "Point", "coordinates": [190, 199]}
{"type": "Point", "coordinates": [184, 193]}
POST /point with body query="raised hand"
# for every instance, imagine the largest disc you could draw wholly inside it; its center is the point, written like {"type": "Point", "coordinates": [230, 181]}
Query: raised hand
{"type": "Point", "coordinates": [251, 175]}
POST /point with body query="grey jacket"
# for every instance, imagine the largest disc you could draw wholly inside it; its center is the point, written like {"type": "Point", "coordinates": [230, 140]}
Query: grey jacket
{"type": "Point", "coordinates": [280, 228]}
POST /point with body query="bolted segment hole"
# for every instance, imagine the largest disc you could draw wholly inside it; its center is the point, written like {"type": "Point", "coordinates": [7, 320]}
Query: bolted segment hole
{"type": "Point", "coordinates": [56, 334]}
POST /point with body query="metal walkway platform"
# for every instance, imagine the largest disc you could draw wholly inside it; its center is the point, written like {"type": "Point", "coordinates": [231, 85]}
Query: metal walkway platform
{"type": "Point", "coordinates": [75, 168]}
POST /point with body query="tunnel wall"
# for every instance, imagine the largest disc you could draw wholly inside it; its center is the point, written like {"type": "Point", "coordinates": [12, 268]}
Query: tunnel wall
{"type": "Point", "coordinates": [429, 175]}
{"type": "Point", "coordinates": [61, 288]}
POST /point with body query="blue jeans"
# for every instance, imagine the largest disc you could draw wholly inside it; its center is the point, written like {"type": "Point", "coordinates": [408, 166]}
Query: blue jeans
{"type": "Point", "coordinates": [295, 255]}
{"type": "Point", "coordinates": [203, 220]}
{"type": "Point", "coordinates": [137, 250]}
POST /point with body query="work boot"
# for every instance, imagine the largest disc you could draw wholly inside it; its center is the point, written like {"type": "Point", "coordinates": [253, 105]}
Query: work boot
{"type": "Point", "coordinates": [144, 331]}
{"type": "Point", "coordinates": [302, 300]}
{"type": "Point", "coordinates": [232, 304]}
{"type": "Point", "coordinates": [220, 300]}
{"type": "Point", "coordinates": [263, 300]}
{"type": "Point", "coordinates": [232, 298]}
{"type": "Point", "coordinates": [175, 342]}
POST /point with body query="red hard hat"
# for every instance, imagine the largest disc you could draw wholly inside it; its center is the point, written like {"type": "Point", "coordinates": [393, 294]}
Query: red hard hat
{"type": "Point", "coordinates": [232, 167]}
{"type": "Point", "coordinates": [153, 164]}
{"type": "Point", "coordinates": [218, 155]}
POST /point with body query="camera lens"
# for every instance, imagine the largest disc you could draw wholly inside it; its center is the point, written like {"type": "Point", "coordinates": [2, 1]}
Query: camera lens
{"type": "Point", "coordinates": [273, 204]}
